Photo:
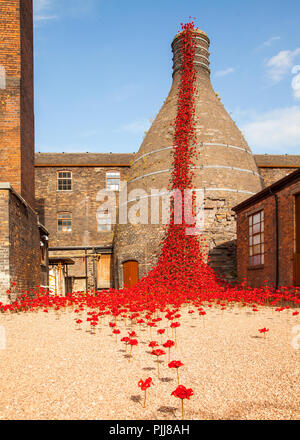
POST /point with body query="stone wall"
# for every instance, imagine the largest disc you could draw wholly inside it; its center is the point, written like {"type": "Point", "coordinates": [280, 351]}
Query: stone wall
{"type": "Point", "coordinates": [81, 201]}
{"type": "Point", "coordinates": [20, 244]}
{"type": "Point", "coordinates": [271, 175]}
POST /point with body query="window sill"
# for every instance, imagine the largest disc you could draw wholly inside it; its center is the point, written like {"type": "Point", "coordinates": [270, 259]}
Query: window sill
{"type": "Point", "coordinates": [257, 266]}
{"type": "Point", "coordinates": [67, 191]}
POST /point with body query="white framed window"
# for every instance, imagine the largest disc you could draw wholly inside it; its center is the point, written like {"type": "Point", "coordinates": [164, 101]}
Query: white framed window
{"type": "Point", "coordinates": [64, 181]}
{"type": "Point", "coordinates": [64, 222]}
{"type": "Point", "coordinates": [113, 181]}
{"type": "Point", "coordinates": [256, 239]}
{"type": "Point", "coordinates": [104, 221]}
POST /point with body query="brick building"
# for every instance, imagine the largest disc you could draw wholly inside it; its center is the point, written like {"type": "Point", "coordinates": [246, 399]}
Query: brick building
{"type": "Point", "coordinates": [67, 199]}
{"type": "Point", "coordinates": [22, 238]}
{"type": "Point", "coordinates": [63, 194]}
{"type": "Point", "coordinates": [268, 234]}
{"type": "Point", "coordinates": [67, 205]}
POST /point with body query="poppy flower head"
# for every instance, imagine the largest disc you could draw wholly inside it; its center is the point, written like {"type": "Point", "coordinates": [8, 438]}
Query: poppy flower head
{"type": "Point", "coordinates": [175, 364]}
{"type": "Point", "coordinates": [153, 344]}
{"type": "Point", "coordinates": [182, 392]}
{"type": "Point", "coordinates": [125, 339]}
{"type": "Point", "coordinates": [158, 352]}
{"type": "Point", "coordinates": [263, 330]}
{"type": "Point", "coordinates": [133, 342]}
{"type": "Point", "coordinates": [169, 344]}
{"type": "Point", "coordinates": [144, 384]}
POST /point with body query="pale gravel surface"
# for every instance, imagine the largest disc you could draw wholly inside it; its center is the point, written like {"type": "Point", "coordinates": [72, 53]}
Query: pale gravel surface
{"type": "Point", "coordinates": [50, 370]}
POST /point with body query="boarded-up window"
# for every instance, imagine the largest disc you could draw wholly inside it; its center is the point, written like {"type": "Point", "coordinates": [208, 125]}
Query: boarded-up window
{"type": "Point", "coordinates": [131, 273]}
{"type": "Point", "coordinates": [104, 271]}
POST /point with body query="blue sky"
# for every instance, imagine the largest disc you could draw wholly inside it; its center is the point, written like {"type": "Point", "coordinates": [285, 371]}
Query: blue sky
{"type": "Point", "coordinates": [103, 69]}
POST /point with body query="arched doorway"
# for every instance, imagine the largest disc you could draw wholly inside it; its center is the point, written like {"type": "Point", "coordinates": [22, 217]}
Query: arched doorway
{"type": "Point", "coordinates": [130, 273]}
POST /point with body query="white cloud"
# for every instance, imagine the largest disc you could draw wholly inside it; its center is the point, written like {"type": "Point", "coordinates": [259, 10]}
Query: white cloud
{"type": "Point", "coordinates": [224, 72]}
{"type": "Point", "coordinates": [275, 131]}
{"type": "Point", "coordinates": [296, 81]}
{"type": "Point", "coordinates": [268, 42]}
{"type": "Point", "coordinates": [43, 10]}
{"type": "Point", "coordinates": [279, 65]}
{"type": "Point", "coordinates": [137, 127]}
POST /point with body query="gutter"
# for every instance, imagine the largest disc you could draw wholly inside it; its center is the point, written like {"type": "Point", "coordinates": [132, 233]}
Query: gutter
{"type": "Point", "coordinates": [276, 238]}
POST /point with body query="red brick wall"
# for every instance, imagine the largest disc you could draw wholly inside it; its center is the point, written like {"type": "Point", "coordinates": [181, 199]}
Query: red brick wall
{"type": "Point", "coordinates": [4, 245]}
{"type": "Point", "coordinates": [16, 100]}
{"type": "Point", "coordinates": [286, 222]}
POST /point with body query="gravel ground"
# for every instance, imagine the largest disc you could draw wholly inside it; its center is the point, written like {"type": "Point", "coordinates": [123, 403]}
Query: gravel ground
{"type": "Point", "coordinates": [51, 370]}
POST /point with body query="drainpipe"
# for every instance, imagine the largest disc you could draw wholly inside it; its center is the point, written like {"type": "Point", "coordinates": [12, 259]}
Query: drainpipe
{"type": "Point", "coordinates": [276, 238]}
{"type": "Point", "coordinates": [47, 262]}
{"type": "Point", "coordinates": [86, 271]}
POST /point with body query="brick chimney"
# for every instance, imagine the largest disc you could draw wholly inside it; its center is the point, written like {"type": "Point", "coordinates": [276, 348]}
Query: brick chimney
{"type": "Point", "coordinates": [16, 97]}
{"type": "Point", "coordinates": [225, 170]}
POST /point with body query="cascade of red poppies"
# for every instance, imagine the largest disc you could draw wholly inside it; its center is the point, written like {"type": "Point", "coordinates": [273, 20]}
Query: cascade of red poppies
{"type": "Point", "coordinates": [181, 262]}
{"type": "Point", "coordinates": [181, 273]}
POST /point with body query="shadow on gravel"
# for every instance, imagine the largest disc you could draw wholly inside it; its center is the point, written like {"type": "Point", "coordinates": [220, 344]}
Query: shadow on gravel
{"type": "Point", "coordinates": [136, 399]}
{"type": "Point", "coordinates": [167, 410]}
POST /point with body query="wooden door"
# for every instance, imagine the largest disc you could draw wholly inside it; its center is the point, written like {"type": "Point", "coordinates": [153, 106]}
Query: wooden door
{"type": "Point", "coordinates": [104, 271]}
{"type": "Point", "coordinates": [131, 273]}
{"type": "Point", "coordinates": [297, 227]}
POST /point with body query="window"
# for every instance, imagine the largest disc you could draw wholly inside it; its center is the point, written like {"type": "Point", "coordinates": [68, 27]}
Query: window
{"type": "Point", "coordinates": [64, 222]}
{"type": "Point", "coordinates": [104, 221]}
{"type": "Point", "coordinates": [113, 181]}
{"type": "Point", "coordinates": [64, 181]}
{"type": "Point", "coordinates": [256, 238]}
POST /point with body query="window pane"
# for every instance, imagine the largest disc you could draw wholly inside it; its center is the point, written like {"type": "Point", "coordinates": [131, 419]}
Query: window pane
{"type": "Point", "coordinates": [256, 249]}
{"type": "Point", "coordinates": [256, 218]}
{"type": "Point", "coordinates": [256, 259]}
{"type": "Point", "coordinates": [113, 181]}
{"type": "Point", "coordinates": [64, 181]}
{"type": "Point", "coordinates": [256, 239]}
{"type": "Point", "coordinates": [256, 228]}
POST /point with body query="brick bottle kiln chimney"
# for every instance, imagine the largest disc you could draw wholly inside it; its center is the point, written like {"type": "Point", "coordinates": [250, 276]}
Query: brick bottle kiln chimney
{"type": "Point", "coordinates": [16, 97]}
{"type": "Point", "coordinates": [225, 170]}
